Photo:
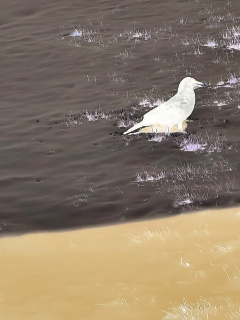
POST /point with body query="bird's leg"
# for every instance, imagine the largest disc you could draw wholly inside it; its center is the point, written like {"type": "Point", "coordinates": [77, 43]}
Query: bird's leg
{"type": "Point", "coordinates": [180, 128]}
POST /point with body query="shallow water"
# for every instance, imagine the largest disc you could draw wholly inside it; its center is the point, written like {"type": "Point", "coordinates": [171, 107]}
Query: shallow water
{"type": "Point", "coordinates": [184, 267]}
{"type": "Point", "coordinates": [61, 169]}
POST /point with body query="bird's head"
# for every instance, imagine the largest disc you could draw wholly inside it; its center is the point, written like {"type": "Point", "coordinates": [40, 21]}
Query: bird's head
{"type": "Point", "coordinates": [190, 83]}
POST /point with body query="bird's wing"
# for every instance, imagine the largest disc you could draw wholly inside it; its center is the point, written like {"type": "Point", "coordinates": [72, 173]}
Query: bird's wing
{"type": "Point", "coordinates": [170, 111]}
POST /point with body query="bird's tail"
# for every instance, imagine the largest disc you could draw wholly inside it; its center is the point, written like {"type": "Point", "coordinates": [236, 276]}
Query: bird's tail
{"type": "Point", "coordinates": [134, 128]}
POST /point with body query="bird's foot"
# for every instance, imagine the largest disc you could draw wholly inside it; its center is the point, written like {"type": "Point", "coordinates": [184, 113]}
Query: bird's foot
{"type": "Point", "coordinates": [180, 127]}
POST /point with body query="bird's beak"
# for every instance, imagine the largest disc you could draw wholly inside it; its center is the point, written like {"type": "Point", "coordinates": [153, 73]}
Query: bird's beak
{"type": "Point", "coordinates": [200, 84]}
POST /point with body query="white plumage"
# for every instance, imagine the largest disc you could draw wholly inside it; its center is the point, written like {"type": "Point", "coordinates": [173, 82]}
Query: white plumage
{"type": "Point", "coordinates": [174, 111]}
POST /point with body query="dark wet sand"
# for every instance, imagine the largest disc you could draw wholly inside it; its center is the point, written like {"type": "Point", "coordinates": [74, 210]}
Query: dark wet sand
{"type": "Point", "coordinates": [59, 170]}
{"type": "Point", "coordinates": [184, 267]}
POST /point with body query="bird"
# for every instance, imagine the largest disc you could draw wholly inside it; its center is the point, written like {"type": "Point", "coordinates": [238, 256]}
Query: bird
{"type": "Point", "coordinates": [172, 112]}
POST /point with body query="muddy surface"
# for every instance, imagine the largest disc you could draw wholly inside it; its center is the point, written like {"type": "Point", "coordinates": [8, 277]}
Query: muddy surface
{"type": "Point", "coordinates": [75, 76]}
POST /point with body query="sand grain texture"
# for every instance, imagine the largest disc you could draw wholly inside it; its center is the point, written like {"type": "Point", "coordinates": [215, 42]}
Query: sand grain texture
{"type": "Point", "coordinates": [131, 271]}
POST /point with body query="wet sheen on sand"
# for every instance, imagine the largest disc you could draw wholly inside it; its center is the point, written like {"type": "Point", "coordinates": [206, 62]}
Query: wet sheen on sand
{"type": "Point", "coordinates": [169, 268]}
{"type": "Point", "coordinates": [66, 100]}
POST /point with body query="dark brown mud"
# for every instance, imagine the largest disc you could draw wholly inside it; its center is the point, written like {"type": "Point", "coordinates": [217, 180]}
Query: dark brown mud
{"type": "Point", "coordinates": [76, 75]}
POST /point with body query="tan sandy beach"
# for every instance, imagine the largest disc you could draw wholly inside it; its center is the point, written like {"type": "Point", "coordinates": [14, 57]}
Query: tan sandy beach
{"type": "Point", "coordinates": [185, 267]}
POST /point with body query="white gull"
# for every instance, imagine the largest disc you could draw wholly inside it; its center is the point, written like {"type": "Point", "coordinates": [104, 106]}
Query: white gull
{"type": "Point", "coordinates": [172, 112]}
